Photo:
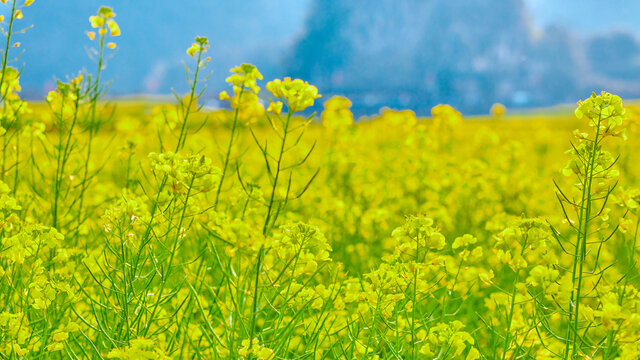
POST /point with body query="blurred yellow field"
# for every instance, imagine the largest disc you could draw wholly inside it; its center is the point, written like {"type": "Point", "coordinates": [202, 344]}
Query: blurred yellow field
{"type": "Point", "coordinates": [143, 230]}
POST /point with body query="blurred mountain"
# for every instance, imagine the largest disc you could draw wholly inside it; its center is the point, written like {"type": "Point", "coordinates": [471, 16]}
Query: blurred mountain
{"type": "Point", "coordinates": [416, 54]}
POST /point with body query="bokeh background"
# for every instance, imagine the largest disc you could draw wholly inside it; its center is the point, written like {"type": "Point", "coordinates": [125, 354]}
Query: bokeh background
{"type": "Point", "coordinates": [397, 53]}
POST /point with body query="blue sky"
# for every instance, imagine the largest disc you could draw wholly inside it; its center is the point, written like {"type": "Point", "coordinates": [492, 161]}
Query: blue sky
{"type": "Point", "coordinates": [587, 16]}
{"type": "Point", "coordinates": [155, 34]}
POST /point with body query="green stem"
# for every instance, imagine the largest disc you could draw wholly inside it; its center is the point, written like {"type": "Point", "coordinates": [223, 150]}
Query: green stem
{"type": "Point", "coordinates": [5, 57]}
{"type": "Point", "coordinates": [631, 265]}
{"type": "Point", "coordinates": [256, 293]}
{"type": "Point", "coordinates": [15, 175]}
{"type": "Point", "coordinates": [174, 248]}
{"type": "Point", "coordinates": [93, 128]}
{"type": "Point", "coordinates": [5, 60]}
{"type": "Point", "coordinates": [228, 155]}
{"type": "Point", "coordinates": [182, 138]}
{"type": "Point", "coordinates": [581, 242]}
{"type": "Point", "coordinates": [268, 218]}
{"type": "Point", "coordinates": [507, 337]}
{"type": "Point", "coordinates": [63, 154]}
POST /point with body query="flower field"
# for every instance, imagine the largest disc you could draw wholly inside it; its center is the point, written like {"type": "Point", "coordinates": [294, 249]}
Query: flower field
{"type": "Point", "coordinates": [141, 230]}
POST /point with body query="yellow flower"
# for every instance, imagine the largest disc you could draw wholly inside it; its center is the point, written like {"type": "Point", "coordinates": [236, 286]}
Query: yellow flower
{"type": "Point", "coordinates": [473, 354]}
{"type": "Point", "coordinates": [111, 45]}
{"type": "Point", "coordinates": [19, 350]}
{"type": "Point", "coordinates": [106, 12]}
{"type": "Point", "coordinates": [56, 346]}
{"type": "Point", "coordinates": [336, 114]}
{"type": "Point", "coordinates": [445, 115]}
{"type": "Point", "coordinates": [91, 35]}
{"type": "Point", "coordinates": [113, 27]}
{"type": "Point", "coordinates": [193, 49]}
{"type": "Point", "coordinates": [296, 93]}
{"type": "Point", "coordinates": [60, 336]}
{"type": "Point", "coordinates": [463, 241]}
{"type": "Point", "coordinates": [28, 3]}
{"type": "Point", "coordinates": [245, 75]}
{"type": "Point", "coordinates": [605, 106]}
{"type": "Point", "coordinates": [18, 14]}
{"type": "Point", "coordinates": [265, 354]}
{"type": "Point", "coordinates": [224, 95]}
{"type": "Point", "coordinates": [275, 107]}
{"type": "Point", "coordinates": [139, 348]}
{"type": "Point", "coordinates": [201, 44]}
{"type": "Point", "coordinates": [103, 21]}
{"type": "Point", "coordinates": [96, 21]}
{"type": "Point", "coordinates": [77, 80]}
{"type": "Point", "coordinates": [498, 110]}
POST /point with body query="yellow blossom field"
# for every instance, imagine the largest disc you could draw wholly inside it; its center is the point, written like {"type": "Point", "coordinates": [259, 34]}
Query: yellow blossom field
{"type": "Point", "coordinates": [140, 230]}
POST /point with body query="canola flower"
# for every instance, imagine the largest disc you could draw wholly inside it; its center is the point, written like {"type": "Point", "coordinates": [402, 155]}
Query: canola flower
{"type": "Point", "coordinates": [296, 94]}
{"type": "Point", "coordinates": [336, 114]}
{"type": "Point", "coordinates": [271, 234]}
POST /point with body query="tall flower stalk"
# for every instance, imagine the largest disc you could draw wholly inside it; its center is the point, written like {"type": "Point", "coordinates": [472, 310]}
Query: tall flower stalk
{"type": "Point", "coordinates": [297, 95]}
{"type": "Point", "coordinates": [594, 169]}
{"type": "Point", "coordinates": [245, 104]}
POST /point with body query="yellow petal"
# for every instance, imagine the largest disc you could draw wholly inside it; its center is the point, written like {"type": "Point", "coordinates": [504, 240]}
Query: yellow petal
{"type": "Point", "coordinates": [96, 21]}
{"type": "Point", "coordinates": [113, 27]}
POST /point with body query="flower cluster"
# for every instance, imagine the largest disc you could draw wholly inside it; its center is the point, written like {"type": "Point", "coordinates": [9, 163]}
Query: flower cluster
{"type": "Point", "coordinates": [245, 93]}
{"type": "Point", "coordinates": [296, 94]}
{"type": "Point", "coordinates": [188, 173]}
{"type": "Point", "coordinates": [336, 114]}
{"type": "Point", "coordinates": [309, 250]}
{"type": "Point", "coordinates": [104, 22]}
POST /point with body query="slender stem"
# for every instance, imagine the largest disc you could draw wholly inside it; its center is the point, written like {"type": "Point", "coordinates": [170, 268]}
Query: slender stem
{"type": "Point", "coordinates": [186, 112]}
{"type": "Point", "coordinates": [174, 248]}
{"type": "Point", "coordinates": [414, 296]}
{"type": "Point", "coordinates": [165, 178]}
{"type": "Point", "coordinates": [581, 244]}
{"type": "Point", "coordinates": [507, 337]}
{"type": "Point", "coordinates": [5, 57]}
{"type": "Point", "coordinates": [128, 174]}
{"type": "Point", "coordinates": [450, 292]}
{"type": "Point", "coordinates": [15, 175]}
{"type": "Point", "coordinates": [631, 266]}
{"type": "Point", "coordinates": [228, 155]}
{"type": "Point", "coordinates": [63, 154]}
{"type": "Point", "coordinates": [5, 60]}
{"type": "Point", "coordinates": [265, 229]}
{"type": "Point", "coordinates": [268, 218]}
{"type": "Point", "coordinates": [93, 127]}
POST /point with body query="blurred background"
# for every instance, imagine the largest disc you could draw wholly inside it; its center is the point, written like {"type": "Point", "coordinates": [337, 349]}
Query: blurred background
{"type": "Point", "coordinates": [397, 53]}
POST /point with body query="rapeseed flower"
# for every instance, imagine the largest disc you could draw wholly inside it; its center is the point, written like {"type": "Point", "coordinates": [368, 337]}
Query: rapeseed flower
{"type": "Point", "coordinates": [296, 94]}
